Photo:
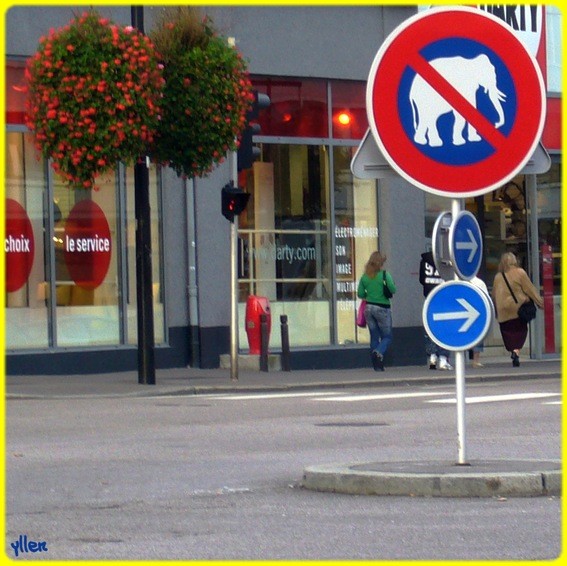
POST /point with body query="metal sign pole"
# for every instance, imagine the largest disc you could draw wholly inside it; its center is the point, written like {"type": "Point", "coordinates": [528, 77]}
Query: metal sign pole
{"type": "Point", "coordinates": [234, 282]}
{"type": "Point", "coordinates": [460, 379]}
{"type": "Point", "coordinates": [461, 412]}
{"type": "Point", "coordinates": [233, 300]}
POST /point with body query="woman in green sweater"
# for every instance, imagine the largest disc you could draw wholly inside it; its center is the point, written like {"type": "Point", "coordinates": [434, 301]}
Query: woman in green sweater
{"type": "Point", "coordinates": [377, 287]}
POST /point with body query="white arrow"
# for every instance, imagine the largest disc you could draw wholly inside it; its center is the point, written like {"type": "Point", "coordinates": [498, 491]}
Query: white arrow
{"type": "Point", "coordinates": [470, 315]}
{"type": "Point", "coordinates": [470, 245]}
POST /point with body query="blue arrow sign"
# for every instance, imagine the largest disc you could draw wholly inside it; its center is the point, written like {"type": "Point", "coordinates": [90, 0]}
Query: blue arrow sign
{"type": "Point", "coordinates": [465, 245]}
{"type": "Point", "coordinates": [457, 315]}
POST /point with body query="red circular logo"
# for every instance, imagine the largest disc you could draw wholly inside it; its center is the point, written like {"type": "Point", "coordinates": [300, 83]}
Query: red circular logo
{"type": "Point", "coordinates": [18, 245]}
{"type": "Point", "coordinates": [87, 244]}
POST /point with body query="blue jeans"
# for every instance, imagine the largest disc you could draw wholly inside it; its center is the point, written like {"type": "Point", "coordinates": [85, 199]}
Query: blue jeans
{"type": "Point", "coordinates": [379, 322]}
{"type": "Point", "coordinates": [432, 348]}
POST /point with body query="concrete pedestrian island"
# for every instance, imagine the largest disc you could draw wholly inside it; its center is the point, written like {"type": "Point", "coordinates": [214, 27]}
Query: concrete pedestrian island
{"type": "Point", "coordinates": [480, 478]}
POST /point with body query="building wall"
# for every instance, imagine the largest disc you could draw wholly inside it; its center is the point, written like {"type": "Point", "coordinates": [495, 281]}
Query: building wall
{"type": "Point", "coordinates": [309, 41]}
{"type": "Point", "coordinates": [26, 24]}
{"type": "Point", "coordinates": [402, 229]}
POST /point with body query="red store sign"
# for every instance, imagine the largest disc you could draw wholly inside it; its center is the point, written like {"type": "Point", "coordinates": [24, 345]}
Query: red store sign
{"type": "Point", "coordinates": [87, 244]}
{"type": "Point", "coordinates": [18, 246]}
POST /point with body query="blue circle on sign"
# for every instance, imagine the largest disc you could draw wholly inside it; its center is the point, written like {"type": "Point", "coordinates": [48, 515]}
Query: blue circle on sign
{"type": "Point", "coordinates": [479, 74]}
{"type": "Point", "coordinates": [465, 245]}
{"type": "Point", "coordinates": [457, 315]}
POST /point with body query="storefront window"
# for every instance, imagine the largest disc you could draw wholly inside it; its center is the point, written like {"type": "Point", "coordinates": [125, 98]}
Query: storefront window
{"type": "Point", "coordinates": [349, 110]}
{"type": "Point", "coordinates": [284, 239]}
{"type": "Point", "coordinates": [504, 219]}
{"type": "Point", "coordinates": [26, 225]}
{"type": "Point", "coordinates": [309, 226]}
{"type": "Point", "coordinates": [86, 264]}
{"type": "Point", "coordinates": [77, 246]}
{"type": "Point", "coordinates": [549, 228]}
{"type": "Point", "coordinates": [15, 92]}
{"type": "Point", "coordinates": [502, 216]}
{"type": "Point", "coordinates": [298, 107]}
{"type": "Point", "coordinates": [356, 237]}
{"type": "Point", "coordinates": [130, 257]}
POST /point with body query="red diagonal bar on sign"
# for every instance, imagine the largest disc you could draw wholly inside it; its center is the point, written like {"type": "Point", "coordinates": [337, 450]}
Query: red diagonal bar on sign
{"type": "Point", "coordinates": [445, 89]}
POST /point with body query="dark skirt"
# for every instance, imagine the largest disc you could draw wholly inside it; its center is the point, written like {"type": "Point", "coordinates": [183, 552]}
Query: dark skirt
{"type": "Point", "coordinates": [514, 333]}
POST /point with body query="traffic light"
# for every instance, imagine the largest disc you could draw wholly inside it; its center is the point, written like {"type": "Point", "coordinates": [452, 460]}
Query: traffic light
{"type": "Point", "coordinates": [247, 152]}
{"type": "Point", "coordinates": [233, 201]}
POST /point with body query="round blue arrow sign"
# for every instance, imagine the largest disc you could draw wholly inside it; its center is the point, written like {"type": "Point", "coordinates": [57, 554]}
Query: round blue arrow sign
{"type": "Point", "coordinates": [457, 315]}
{"type": "Point", "coordinates": [465, 245]}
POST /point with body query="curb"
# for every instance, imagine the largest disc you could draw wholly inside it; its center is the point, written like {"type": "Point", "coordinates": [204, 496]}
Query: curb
{"type": "Point", "coordinates": [486, 478]}
{"type": "Point", "coordinates": [243, 387]}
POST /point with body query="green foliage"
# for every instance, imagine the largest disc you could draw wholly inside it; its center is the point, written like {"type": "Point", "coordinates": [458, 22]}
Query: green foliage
{"type": "Point", "coordinates": [99, 93]}
{"type": "Point", "coordinates": [207, 94]}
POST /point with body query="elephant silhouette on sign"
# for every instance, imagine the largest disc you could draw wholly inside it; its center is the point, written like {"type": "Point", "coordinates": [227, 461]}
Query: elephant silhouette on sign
{"type": "Point", "coordinates": [466, 76]}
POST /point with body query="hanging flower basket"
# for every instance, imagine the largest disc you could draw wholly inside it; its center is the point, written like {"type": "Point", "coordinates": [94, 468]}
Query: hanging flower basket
{"type": "Point", "coordinates": [206, 96]}
{"type": "Point", "coordinates": [94, 91]}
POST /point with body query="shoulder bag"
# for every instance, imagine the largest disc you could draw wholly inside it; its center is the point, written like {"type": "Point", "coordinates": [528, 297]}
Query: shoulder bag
{"type": "Point", "coordinates": [527, 310]}
{"type": "Point", "coordinates": [360, 317]}
{"type": "Point", "coordinates": [387, 293]}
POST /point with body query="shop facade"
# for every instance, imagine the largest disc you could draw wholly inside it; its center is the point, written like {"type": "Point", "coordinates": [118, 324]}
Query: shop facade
{"type": "Point", "coordinates": [302, 242]}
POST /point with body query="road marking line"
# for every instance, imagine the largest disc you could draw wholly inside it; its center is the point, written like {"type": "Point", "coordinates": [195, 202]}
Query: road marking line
{"type": "Point", "coordinates": [495, 398]}
{"type": "Point", "coordinates": [281, 395]}
{"type": "Point", "coordinates": [371, 397]}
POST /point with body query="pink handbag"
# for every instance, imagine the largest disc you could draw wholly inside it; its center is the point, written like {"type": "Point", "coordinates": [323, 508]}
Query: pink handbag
{"type": "Point", "coordinates": [360, 318]}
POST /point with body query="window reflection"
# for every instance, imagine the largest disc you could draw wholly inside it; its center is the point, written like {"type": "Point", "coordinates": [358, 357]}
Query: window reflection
{"type": "Point", "coordinates": [349, 110]}
{"type": "Point", "coordinates": [27, 285]}
{"type": "Point", "coordinates": [298, 107]}
{"type": "Point", "coordinates": [356, 237]}
{"type": "Point", "coordinates": [86, 271]}
{"type": "Point", "coordinates": [284, 230]}
{"type": "Point", "coordinates": [77, 257]}
{"type": "Point", "coordinates": [284, 239]}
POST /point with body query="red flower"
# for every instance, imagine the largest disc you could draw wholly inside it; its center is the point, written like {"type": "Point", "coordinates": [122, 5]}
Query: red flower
{"type": "Point", "coordinates": [72, 103]}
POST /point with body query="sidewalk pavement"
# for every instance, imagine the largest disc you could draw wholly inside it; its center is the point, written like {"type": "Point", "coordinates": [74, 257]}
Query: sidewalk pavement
{"type": "Point", "coordinates": [192, 381]}
{"type": "Point", "coordinates": [487, 478]}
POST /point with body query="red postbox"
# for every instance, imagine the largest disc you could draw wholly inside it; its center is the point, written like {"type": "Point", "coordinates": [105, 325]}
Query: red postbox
{"type": "Point", "coordinates": [256, 306]}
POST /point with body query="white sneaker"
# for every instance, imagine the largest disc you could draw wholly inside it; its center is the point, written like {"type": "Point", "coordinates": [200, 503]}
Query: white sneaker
{"type": "Point", "coordinates": [444, 363]}
{"type": "Point", "coordinates": [433, 361]}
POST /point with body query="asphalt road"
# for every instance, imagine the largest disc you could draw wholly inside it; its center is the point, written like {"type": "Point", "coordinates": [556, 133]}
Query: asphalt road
{"type": "Point", "coordinates": [217, 476]}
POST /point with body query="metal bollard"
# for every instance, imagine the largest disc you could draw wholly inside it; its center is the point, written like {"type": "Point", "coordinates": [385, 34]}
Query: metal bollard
{"type": "Point", "coordinates": [285, 343]}
{"type": "Point", "coordinates": [263, 342]}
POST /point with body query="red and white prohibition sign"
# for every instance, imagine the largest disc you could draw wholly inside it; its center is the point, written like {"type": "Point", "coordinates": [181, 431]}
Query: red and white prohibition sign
{"type": "Point", "coordinates": [455, 102]}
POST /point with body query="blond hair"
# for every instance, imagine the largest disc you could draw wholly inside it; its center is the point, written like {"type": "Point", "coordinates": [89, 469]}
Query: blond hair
{"type": "Point", "coordinates": [507, 261]}
{"type": "Point", "coordinates": [374, 264]}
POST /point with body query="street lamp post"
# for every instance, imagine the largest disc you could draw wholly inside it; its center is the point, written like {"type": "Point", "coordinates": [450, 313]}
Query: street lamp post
{"type": "Point", "coordinates": [144, 294]}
